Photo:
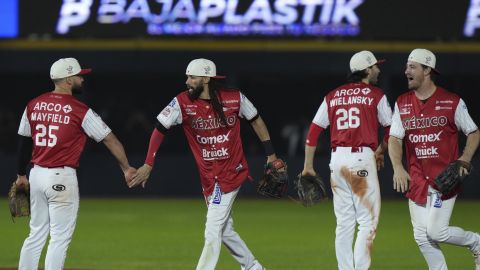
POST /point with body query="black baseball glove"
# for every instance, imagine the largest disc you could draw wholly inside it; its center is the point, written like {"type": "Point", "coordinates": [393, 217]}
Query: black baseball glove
{"type": "Point", "coordinates": [310, 189]}
{"type": "Point", "coordinates": [19, 201]}
{"type": "Point", "coordinates": [448, 180]}
{"type": "Point", "coordinates": [275, 180]}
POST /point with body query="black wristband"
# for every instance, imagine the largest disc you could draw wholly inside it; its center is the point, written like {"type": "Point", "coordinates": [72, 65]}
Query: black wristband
{"type": "Point", "coordinates": [268, 146]}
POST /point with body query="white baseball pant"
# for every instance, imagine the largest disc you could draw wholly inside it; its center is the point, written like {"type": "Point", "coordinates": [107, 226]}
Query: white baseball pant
{"type": "Point", "coordinates": [218, 229]}
{"type": "Point", "coordinates": [356, 199]}
{"type": "Point", "coordinates": [54, 203]}
{"type": "Point", "coordinates": [431, 226]}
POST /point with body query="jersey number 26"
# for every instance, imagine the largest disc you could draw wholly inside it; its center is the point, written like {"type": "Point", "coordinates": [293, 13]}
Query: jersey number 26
{"type": "Point", "coordinates": [348, 118]}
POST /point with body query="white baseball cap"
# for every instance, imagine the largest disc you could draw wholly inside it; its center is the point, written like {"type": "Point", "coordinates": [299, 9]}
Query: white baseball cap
{"type": "Point", "coordinates": [66, 67]}
{"type": "Point", "coordinates": [424, 57]}
{"type": "Point", "coordinates": [362, 60]}
{"type": "Point", "coordinates": [203, 67]}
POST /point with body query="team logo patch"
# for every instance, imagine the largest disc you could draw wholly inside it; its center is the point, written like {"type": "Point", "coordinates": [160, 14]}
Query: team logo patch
{"type": "Point", "coordinates": [67, 108]}
{"type": "Point", "coordinates": [58, 187]}
{"type": "Point", "coordinates": [366, 91]}
{"type": "Point", "coordinates": [438, 201]}
{"type": "Point", "coordinates": [362, 173]}
{"type": "Point", "coordinates": [217, 195]}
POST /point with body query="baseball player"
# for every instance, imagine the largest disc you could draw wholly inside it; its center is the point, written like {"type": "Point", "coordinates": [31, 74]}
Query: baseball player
{"type": "Point", "coordinates": [428, 119]}
{"type": "Point", "coordinates": [53, 131]}
{"type": "Point", "coordinates": [353, 111]}
{"type": "Point", "coordinates": [210, 116]}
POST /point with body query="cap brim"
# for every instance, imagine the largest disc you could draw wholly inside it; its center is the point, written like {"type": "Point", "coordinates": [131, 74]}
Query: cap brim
{"type": "Point", "coordinates": [85, 71]}
{"type": "Point", "coordinates": [381, 61]}
{"type": "Point", "coordinates": [435, 70]}
{"type": "Point", "coordinates": [219, 77]}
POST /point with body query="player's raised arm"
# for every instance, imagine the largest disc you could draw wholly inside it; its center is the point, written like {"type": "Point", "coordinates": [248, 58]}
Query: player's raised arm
{"type": "Point", "coordinates": [143, 173]}
{"type": "Point", "coordinates": [117, 150]}
{"type": "Point", "coordinates": [171, 115]}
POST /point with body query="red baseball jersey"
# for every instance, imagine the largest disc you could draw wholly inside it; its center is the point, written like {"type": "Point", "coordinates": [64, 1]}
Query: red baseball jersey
{"type": "Point", "coordinates": [59, 125]}
{"type": "Point", "coordinates": [353, 111]}
{"type": "Point", "coordinates": [217, 148]}
{"type": "Point", "coordinates": [430, 133]}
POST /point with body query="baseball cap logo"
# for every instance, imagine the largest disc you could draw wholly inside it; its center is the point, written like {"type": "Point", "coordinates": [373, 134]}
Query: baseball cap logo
{"type": "Point", "coordinates": [70, 69]}
{"type": "Point", "coordinates": [207, 69]}
{"type": "Point", "coordinates": [427, 60]}
{"type": "Point", "coordinates": [369, 60]}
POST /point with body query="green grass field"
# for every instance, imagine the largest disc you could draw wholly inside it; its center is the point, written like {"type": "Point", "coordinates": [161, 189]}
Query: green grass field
{"type": "Point", "coordinates": [167, 234]}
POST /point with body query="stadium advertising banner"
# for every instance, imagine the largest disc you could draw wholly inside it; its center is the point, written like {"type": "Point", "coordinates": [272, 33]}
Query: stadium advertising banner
{"type": "Point", "coordinates": [307, 19]}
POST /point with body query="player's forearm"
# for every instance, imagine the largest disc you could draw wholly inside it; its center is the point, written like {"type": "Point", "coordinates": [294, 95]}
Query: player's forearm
{"type": "Point", "coordinates": [395, 152]}
{"type": "Point", "coordinates": [309, 156]}
{"type": "Point", "coordinates": [117, 150]}
{"type": "Point", "coordinates": [155, 141]}
{"type": "Point", "coordinates": [473, 140]}
{"type": "Point", "coordinates": [24, 154]}
{"type": "Point", "coordinates": [260, 129]}
{"type": "Point", "coordinates": [262, 132]}
{"type": "Point", "coordinates": [382, 148]}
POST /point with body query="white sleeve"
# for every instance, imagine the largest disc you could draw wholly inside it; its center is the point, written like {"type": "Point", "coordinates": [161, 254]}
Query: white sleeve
{"type": "Point", "coordinates": [384, 112]}
{"type": "Point", "coordinates": [171, 115]}
{"type": "Point", "coordinates": [463, 120]}
{"type": "Point", "coordinates": [24, 129]}
{"type": "Point", "coordinates": [396, 129]}
{"type": "Point", "coordinates": [247, 110]}
{"type": "Point", "coordinates": [321, 117]}
{"type": "Point", "coordinates": [94, 126]}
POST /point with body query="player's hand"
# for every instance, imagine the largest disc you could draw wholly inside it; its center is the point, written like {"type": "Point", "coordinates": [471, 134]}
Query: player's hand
{"type": "Point", "coordinates": [401, 179]}
{"type": "Point", "coordinates": [22, 181]}
{"type": "Point", "coordinates": [129, 173]}
{"type": "Point", "coordinates": [308, 172]}
{"type": "Point", "coordinates": [271, 158]}
{"type": "Point", "coordinates": [380, 158]}
{"type": "Point", "coordinates": [463, 171]}
{"type": "Point", "coordinates": [141, 176]}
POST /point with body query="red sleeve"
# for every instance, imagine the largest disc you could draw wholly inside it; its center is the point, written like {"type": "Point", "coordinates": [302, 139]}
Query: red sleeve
{"type": "Point", "coordinates": [313, 134]}
{"type": "Point", "coordinates": [386, 134]}
{"type": "Point", "coordinates": [155, 141]}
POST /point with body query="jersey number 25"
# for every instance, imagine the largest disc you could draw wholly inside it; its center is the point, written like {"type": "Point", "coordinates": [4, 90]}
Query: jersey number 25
{"type": "Point", "coordinates": [44, 139]}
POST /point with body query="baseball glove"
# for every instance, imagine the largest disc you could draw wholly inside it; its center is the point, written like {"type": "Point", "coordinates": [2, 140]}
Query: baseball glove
{"type": "Point", "coordinates": [310, 189]}
{"type": "Point", "coordinates": [19, 201]}
{"type": "Point", "coordinates": [275, 180]}
{"type": "Point", "coordinates": [448, 180]}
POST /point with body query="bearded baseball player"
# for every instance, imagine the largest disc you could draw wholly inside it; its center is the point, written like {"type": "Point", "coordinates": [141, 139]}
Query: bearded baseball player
{"type": "Point", "coordinates": [58, 124]}
{"type": "Point", "coordinates": [428, 119]}
{"type": "Point", "coordinates": [354, 112]}
{"type": "Point", "coordinates": [210, 116]}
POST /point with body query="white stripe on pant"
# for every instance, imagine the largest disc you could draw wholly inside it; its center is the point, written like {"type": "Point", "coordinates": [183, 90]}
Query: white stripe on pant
{"type": "Point", "coordinates": [218, 229]}
{"type": "Point", "coordinates": [53, 212]}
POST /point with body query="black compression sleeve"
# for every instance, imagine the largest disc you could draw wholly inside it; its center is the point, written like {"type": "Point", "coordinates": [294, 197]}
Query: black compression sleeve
{"type": "Point", "coordinates": [24, 154]}
{"type": "Point", "coordinates": [161, 128]}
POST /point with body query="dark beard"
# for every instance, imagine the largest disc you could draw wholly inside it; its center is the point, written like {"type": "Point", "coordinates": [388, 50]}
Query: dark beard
{"type": "Point", "coordinates": [77, 89]}
{"type": "Point", "coordinates": [194, 93]}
